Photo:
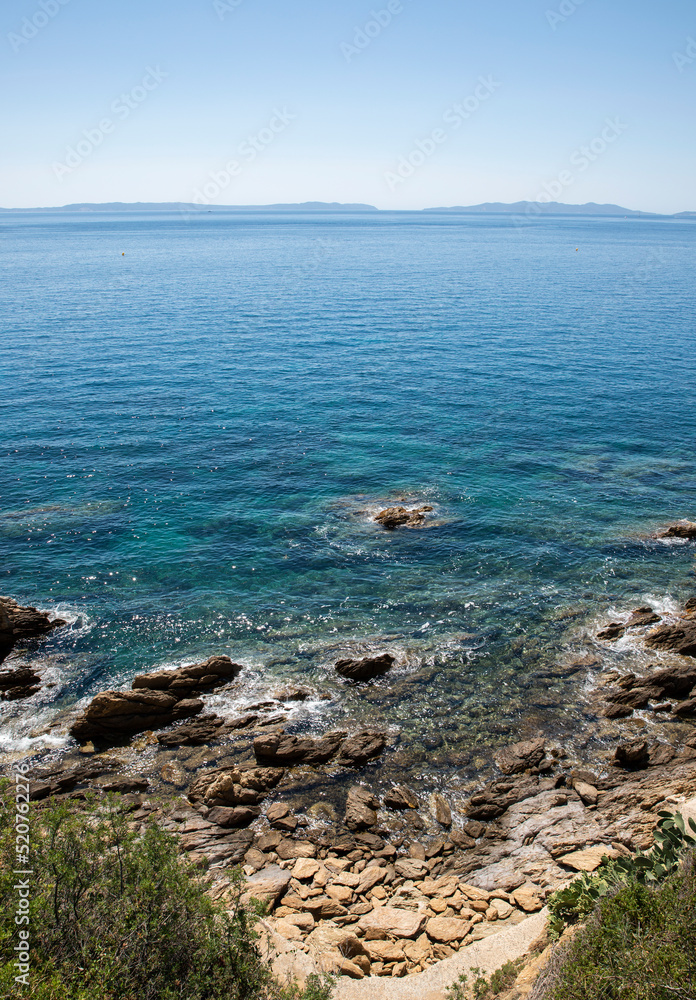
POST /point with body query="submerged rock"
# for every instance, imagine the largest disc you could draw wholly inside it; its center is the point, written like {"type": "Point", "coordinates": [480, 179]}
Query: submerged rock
{"type": "Point", "coordinates": [365, 669]}
{"type": "Point", "coordinates": [520, 756]}
{"type": "Point", "coordinates": [353, 751]}
{"type": "Point", "coordinates": [614, 630]}
{"type": "Point", "coordinates": [394, 517]}
{"type": "Point", "coordinates": [642, 616]}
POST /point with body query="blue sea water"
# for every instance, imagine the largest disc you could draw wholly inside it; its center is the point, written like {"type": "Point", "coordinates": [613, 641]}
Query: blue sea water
{"type": "Point", "coordinates": [201, 415]}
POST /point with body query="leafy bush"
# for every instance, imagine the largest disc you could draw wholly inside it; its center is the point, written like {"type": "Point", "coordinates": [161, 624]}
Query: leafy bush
{"type": "Point", "coordinates": [118, 915]}
{"type": "Point", "coordinates": [640, 944]}
{"type": "Point", "coordinates": [579, 898]}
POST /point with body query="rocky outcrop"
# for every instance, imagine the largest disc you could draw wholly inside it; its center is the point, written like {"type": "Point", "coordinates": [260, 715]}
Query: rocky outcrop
{"type": "Point", "coordinates": [521, 756]}
{"type": "Point", "coordinates": [395, 517]}
{"type": "Point", "coordinates": [18, 622]}
{"type": "Point", "coordinates": [244, 785]}
{"type": "Point", "coordinates": [676, 638]}
{"type": "Point", "coordinates": [202, 730]}
{"type": "Point", "coordinates": [21, 682]}
{"type": "Point", "coordinates": [640, 617]}
{"type": "Point", "coordinates": [185, 682]}
{"type": "Point", "coordinates": [113, 715]}
{"type": "Point", "coordinates": [365, 669]}
{"type": "Point", "coordinates": [361, 808]}
{"type": "Point", "coordinates": [682, 529]}
{"type": "Point", "coordinates": [348, 751]}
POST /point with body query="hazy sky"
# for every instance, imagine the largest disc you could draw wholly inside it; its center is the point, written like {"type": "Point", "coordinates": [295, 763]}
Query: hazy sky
{"type": "Point", "coordinates": [401, 104]}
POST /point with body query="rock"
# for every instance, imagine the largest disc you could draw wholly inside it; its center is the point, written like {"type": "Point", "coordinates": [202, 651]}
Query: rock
{"type": "Point", "coordinates": [632, 754]}
{"type": "Point", "coordinates": [268, 841]}
{"type": "Point", "coordinates": [234, 786]}
{"type": "Point", "coordinates": [234, 816]}
{"type": "Point", "coordinates": [400, 923]}
{"type": "Point", "coordinates": [521, 756]}
{"type": "Point", "coordinates": [444, 930]}
{"type": "Point", "coordinates": [682, 529]}
{"type": "Point", "coordinates": [360, 808]}
{"type": "Point", "coordinates": [400, 797]}
{"type": "Point", "coordinates": [324, 907]}
{"type": "Point", "coordinates": [19, 622]}
{"type": "Point", "coordinates": [386, 951]}
{"type": "Point", "coordinates": [673, 682]}
{"type": "Point", "coordinates": [502, 908]}
{"type": "Point", "coordinates": [282, 748]}
{"type": "Point", "coordinates": [394, 517]}
{"type": "Point", "coordinates": [123, 785]}
{"type": "Point", "coordinates": [186, 681]}
{"type": "Point", "coordinates": [462, 840]}
{"type": "Point", "coordinates": [365, 669]}
{"type": "Point", "coordinates": [527, 898]}
{"type": "Point", "coordinates": [287, 850]}
{"type": "Point", "coordinates": [686, 708]}
{"type": "Point", "coordinates": [642, 616]}
{"type": "Point", "coordinates": [369, 878]}
{"type": "Point", "coordinates": [661, 753]}
{"type": "Point", "coordinates": [268, 885]}
{"type": "Point", "coordinates": [277, 811]}
{"type": "Point", "coordinates": [174, 774]}
{"type": "Point", "coordinates": [588, 793]}
{"type": "Point", "coordinates": [203, 730]}
{"type": "Point", "coordinates": [305, 868]}
{"type": "Point", "coordinates": [359, 749]}
{"type": "Point", "coordinates": [20, 682]}
{"type": "Point", "coordinates": [114, 714]}
{"type": "Point", "coordinates": [680, 638]}
{"type": "Point", "coordinates": [411, 868]}
{"type": "Point", "coordinates": [589, 859]}
{"type": "Point", "coordinates": [292, 693]}
{"type": "Point", "coordinates": [441, 810]}
{"type": "Point", "coordinates": [614, 630]}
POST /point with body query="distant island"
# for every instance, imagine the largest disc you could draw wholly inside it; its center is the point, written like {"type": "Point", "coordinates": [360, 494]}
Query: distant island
{"type": "Point", "coordinates": [488, 207]}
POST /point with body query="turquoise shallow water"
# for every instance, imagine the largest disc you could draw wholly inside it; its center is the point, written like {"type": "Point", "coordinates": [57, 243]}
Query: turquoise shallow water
{"type": "Point", "coordinates": [195, 434]}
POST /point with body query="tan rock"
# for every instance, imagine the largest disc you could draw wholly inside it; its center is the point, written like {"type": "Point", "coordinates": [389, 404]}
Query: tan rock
{"type": "Point", "coordinates": [305, 868]}
{"type": "Point", "coordinates": [503, 908]}
{"type": "Point", "coordinates": [268, 885]}
{"type": "Point", "coordinates": [305, 921]}
{"type": "Point", "coordinates": [411, 868]}
{"type": "Point", "coordinates": [438, 905]}
{"type": "Point", "coordinates": [589, 859]}
{"type": "Point", "coordinates": [351, 879]}
{"type": "Point", "coordinates": [588, 793]}
{"type": "Point", "coordinates": [361, 808]}
{"type": "Point", "coordinates": [287, 849]}
{"type": "Point", "coordinates": [527, 898]}
{"type": "Point", "coordinates": [342, 893]}
{"type": "Point", "coordinates": [401, 797]}
{"type": "Point", "coordinates": [400, 923]}
{"type": "Point", "coordinates": [369, 878]}
{"type": "Point", "coordinates": [492, 914]}
{"type": "Point", "coordinates": [386, 951]}
{"type": "Point", "coordinates": [444, 930]}
{"type": "Point", "coordinates": [441, 810]}
{"type": "Point", "coordinates": [288, 930]}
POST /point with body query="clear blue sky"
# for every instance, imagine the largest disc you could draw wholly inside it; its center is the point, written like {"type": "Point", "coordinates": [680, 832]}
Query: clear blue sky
{"type": "Point", "coordinates": [555, 73]}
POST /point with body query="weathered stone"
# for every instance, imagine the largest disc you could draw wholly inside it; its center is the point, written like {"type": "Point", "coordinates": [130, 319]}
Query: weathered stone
{"type": "Point", "coordinates": [588, 793]}
{"type": "Point", "coordinates": [20, 682]}
{"type": "Point", "coordinates": [679, 638]}
{"type": "Point", "coordinates": [411, 868]}
{"type": "Point", "coordinates": [502, 908]}
{"type": "Point", "coordinates": [633, 753]}
{"type": "Point", "coordinates": [268, 885]}
{"type": "Point", "coordinates": [461, 840]}
{"type": "Point", "coordinates": [369, 878]}
{"type": "Point", "coordinates": [305, 868]}
{"type": "Point", "coordinates": [686, 708]}
{"type": "Point", "coordinates": [674, 681]}
{"type": "Point", "coordinates": [441, 810]}
{"type": "Point", "coordinates": [386, 951]}
{"type": "Point", "coordinates": [400, 923]}
{"type": "Point", "coordinates": [682, 529]}
{"type": "Point", "coordinates": [113, 714]}
{"type": "Point", "coordinates": [282, 748]}
{"type": "Point", "coordinates": [20, 622]}
{"type": "Point", "coordinates": [527, 898]}
{"type": "Point", "coordinates": [360, 808]}
{"type": "Point", "coordinates": [359, 749]}
{"type": "Point", "coordinates": [235, 816]}
{"type": "Point", "coordinates": [614, 630]}
{"type": "Point", "coordinates": [203, 730]}
{"type": "Point", "coordinates": [234, 786]}
{"type": "Point", "coordinates": [268, 841]}
{"type": "Point", "coordinates": [444, 930]}
{"type": "Point", "coordinates": [365, 669]}
{"type": "Point", "coordinates": [287, 850]}
{"type": "Point", "coordinates": [400, 797]}
{"type": "Point", "coordinates": [642, 616]}
{"type": "Point", "coordinates": [394, 517]}
{"type": "Point", "coordinates": [589, 859]}
{"type": "Point", "coordinates": [324, 907]}
{"type": "Point", "coordinates": [186, 681]}
{"type": "Point", "coordinates": [521, 756]}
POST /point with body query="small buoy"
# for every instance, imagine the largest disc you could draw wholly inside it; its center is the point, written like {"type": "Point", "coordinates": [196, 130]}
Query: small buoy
{"type": "Point", "coordinates": [576, 249]}
{"type": "Point", "coordinates": [123, 255]}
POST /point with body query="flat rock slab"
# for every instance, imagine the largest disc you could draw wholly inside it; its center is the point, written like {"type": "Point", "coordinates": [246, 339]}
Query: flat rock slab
{"type": "Point", "coordinates": [400, 923]}
{"type": "Point", "coordinates": [589, 859]}
{"type": "Point", "coordinates": [268, 885]}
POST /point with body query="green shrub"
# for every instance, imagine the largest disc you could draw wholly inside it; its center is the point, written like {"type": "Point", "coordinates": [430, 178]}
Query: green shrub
{"type": "Point", "coordinates": [579, 898]}
{"type": "Point", "coordinates": [640, 944]}
{"type": "Point", "coordinates": [118, 915]}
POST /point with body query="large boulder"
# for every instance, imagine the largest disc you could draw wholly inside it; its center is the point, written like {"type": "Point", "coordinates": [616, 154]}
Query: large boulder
{"type": "Point", "coordinates": [244, 785]}
{"type": "Point", "coordinates": [20, 622]}
{"type": "Point", "coordinates": [394, 517]}
{"type": "Point", "coordinates": [115, 714]}
{"type": "Point", "coordinates": [682, 529]}
{"type": "Point", "coordinates": [678, 638]}
{"type": "Point", "coordinates": [21, 682]}
{"type": "Point", "coordinates": [185, 681]}
{"type": "Point", "coordinates": [521, 756]}
{"type": "Point", "coordinates": [365, 669]}
{"type": "Point", "coordinates": [361, 807]}
{"type": "Point", "coordinates": [282, 748]}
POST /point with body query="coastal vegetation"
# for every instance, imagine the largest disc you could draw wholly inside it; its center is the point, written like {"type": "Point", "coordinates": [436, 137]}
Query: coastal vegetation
{"type": "Point", "coordinates": [115, 914]}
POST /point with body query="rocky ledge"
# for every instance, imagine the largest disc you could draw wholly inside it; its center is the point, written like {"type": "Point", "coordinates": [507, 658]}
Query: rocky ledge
{"type": "Point", "coordinates": [397, 517]}
{"type": "Point", "coordinates": [17, 623]}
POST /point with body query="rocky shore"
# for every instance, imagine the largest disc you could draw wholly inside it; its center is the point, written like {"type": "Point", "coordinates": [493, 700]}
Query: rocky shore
{"type": "Point", "coordinates": [365, 875]}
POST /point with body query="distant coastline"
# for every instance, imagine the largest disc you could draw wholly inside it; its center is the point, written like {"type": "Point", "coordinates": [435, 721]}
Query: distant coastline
{"type": "Point", "coordinates": [490, 208]}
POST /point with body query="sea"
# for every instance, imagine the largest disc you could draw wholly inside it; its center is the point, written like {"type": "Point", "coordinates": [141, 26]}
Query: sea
{"type": "Point", "coordinates": [203, 413]}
